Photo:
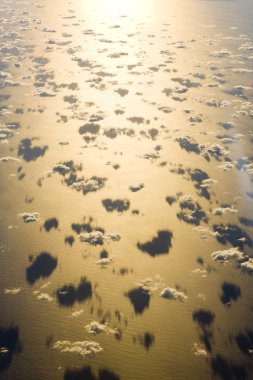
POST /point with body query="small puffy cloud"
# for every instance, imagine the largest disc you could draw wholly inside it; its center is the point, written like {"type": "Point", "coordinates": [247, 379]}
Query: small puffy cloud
{"type": "Point", "coordinates": [224, 210]}
{"type": "Point", "coordinates": [61, 168]}
{"type": "Point", "coordinates": [226, 166]}
{"type": "Point", "coordinates": [199, 350]}
{"type": "Point", "coordinates": [247, 266]}
{"type": "Point", "coordinates": [97, 328]}
{"type": "Point", "coordinates": [43, 296]}
{"type": "Point", "coordinates": [8, 159]}
{"type": "Point", "coordinates": [135, 188]}
{"type": "Point", "coordinates": [83, 348]}
{"type": "Point", "coordinates": [12, 291]}
{"type": "Point", "coordinates": [29, 217]}
{"type": "Point", "coordinates": [104, 262]}
{"type": "Point", "coordinates": [86, 186]}
{"type": "Point", "coordinates": [77, 313]}
{"type": "Point", "coordinates": [227, 254]}
{"type": "Point", "coordinates": [173, 294]}
{"type": "Point", "coordinates": [98, 237]}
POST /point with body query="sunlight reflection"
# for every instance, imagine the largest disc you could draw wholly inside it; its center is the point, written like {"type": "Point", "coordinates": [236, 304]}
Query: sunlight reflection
{"type": "Point", "coordinates": [112, 8]}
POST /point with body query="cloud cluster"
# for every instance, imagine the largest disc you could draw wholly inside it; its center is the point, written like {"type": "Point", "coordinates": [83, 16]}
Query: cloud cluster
{"type": "Point", "coordinates": [98, 237]}
{"type": "Point", "coordinates": [173, 294]}
{"type": "Point", "coordinates": [83, 348]}
{"type": "Point", "coordinates": [29, 217]}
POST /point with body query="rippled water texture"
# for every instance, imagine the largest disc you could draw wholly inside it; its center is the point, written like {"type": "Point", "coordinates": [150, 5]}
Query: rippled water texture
{"type": "Point", "coordinates": [126, 212]}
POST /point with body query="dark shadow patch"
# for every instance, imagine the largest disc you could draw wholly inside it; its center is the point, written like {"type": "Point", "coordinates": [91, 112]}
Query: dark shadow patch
{"type": "Point", "coordinates": [42, 267]}
{"type": "Point", "coordinates": [86, 226]}
{"type": "Point", "coordinates": [69, 294]}
{"type": "Point", "coordinates": [232, 234]}
{"type": "Point", "coordinates": [147, 340]}
{"type": "Point", "coordinates": [30, 153]}
{"type": "Point", "coordinates": [79, 374]}
{"type": "Point", "coordinates": [170, 200]}
{"type": "Point", "coordinates": [197, 177]}
{"type": "Point", "coordinates": [245, 342]}
{"type": "Point", "coordinates": [230, 292]}
{"type": "Point", "coordinates": [189, 144]}
{"type": "Point", "coordinates": [69, 240]}
{"type": "Point", "coordinates": [119, 205]}
{"type": "Point", "coordinates": [86, 373]}
{"type": "Point", "coordinates": [111, 133]}
{"type": "Point", "coordinates": [153, 133]}
{"type": "Point", "coordinates": [160, 244]}
{"type": "Point", "coordinates": [203, 317]}
{"type": "Point", "coordinates": [139, 299]}
{"type": "Point", "coordinates": [51, 223]}
{"type": "Point", "coordinates": [191, 212]}
{"type": "Point", "coordinates": [246, 222]}
{"type": "Point", "coordinates": [226, 370]}
{"type": "Point", "coordinates": [104, 254]}
{"type": "Point", "coordinates": [89, 128]}
{"type": "Point", "coordinates": [9, 345]}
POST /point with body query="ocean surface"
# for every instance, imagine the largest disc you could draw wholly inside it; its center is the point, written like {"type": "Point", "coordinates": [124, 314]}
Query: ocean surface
{"type": "Point", "coordinates": [126, 190]}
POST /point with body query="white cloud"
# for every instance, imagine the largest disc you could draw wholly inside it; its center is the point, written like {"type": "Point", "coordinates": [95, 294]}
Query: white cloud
{"type": "Point", "coordinates": [173, 294]}
{"type": "Point", "coordinates": [29, 217]}
{"type": "Point", "coordinates": [8, 159]}
{"type": "Point", "coordinates": [224, 210]}
{"type": "Point", "coordinates": [104, 262]}
{"type": "Point", "coordinates": [199, 350]}
{"type": "Point", "coordinates": [77, 313]}
{"type": "Point", "coordinates": [83, 348]}
{"type": "Point", "coordinates": [98, 237]}
{"type": "Point", "coordinates": [247, 266]}
{"type": "Point", "coordinates": [12, 291]}
{"type": "Point", "coordinates": [135, 188]}
{"type": "Point", "coordinates": [227, 254]}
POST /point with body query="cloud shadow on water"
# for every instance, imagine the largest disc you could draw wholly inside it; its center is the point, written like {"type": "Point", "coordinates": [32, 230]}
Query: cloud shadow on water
{"type": "Point", "coordinates": [9, 340]}
{"type": "Point", "coordinates": [86, 373]}
{"type": "Point", "coordinates": [205, 319]}
{"type": "Point", "coordinates": [160, 244]}
{"type": "Point", "coordinates": [42, 266]}
{"type": "Point", "coordinates": [232, 234]}
{"type": "Point", "coordinates": [69, 294]}
{"type": "Point", "coordinates": [245, 342]}
{"type": "Point", "coordinates": [226, 370]}
{"type": "Point", "coordinates": [119, 205]}
{"type": "Point", "coordinates": [230, 292]}
{"type": "Point", "coordinates": [30, 153]}
{"type": "Point", "coordinates": [51, 223]}
{"type": "Point", "coordinates": [139, 299]}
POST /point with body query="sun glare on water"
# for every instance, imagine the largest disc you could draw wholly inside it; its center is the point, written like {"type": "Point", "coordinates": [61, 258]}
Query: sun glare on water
{"type": "Point", "coordinates": [112, 8]}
